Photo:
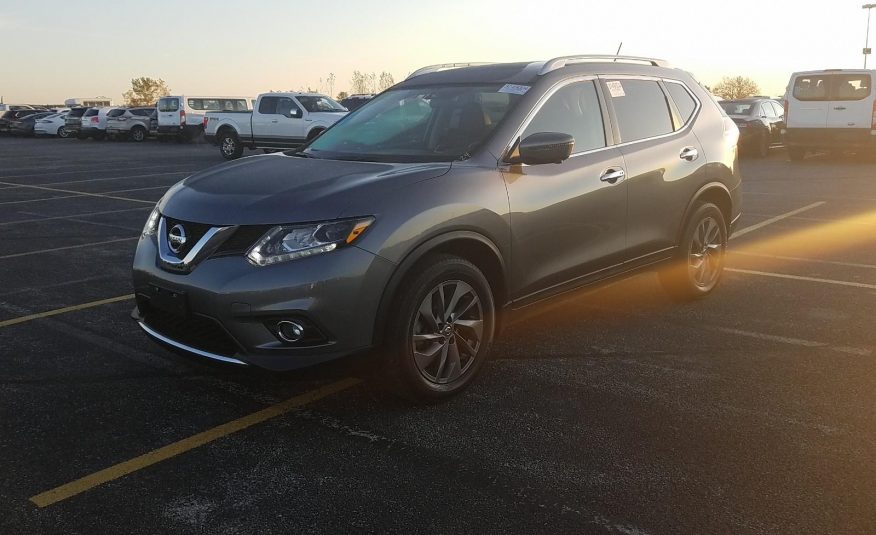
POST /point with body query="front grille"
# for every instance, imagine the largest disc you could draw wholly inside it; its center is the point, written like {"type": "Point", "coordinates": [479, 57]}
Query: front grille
{"type": "Point", "coordinates": [194, 232]}
{"type": "Point", "coordinates": [196, 331]}
{"type": "Point", "coordinates": [242, 239]}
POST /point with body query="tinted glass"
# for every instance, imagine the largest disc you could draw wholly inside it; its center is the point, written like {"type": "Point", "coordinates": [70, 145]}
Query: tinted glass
{"type": "Point", "coordinates": [143, 112]}
{"type": "Point", "coordinates": [682, 99]}
{"type": "Point", "coordinates": [92, 112]}
{"type": "Point", "coordinates": [423, 124]}
{"type": "Point", "coordinates": [811, 87]}
{"type": "Point", "coordinates": [733, 107]}
{"type": "Point", "coordinates": [268, 105]}
{"type": "Point", "coordinates": [168, 104]}
{"type": "Point", "coordinates": [76, 112]}
{"type": "Point", "coordinates": [641, 109]}
{"type": "Point", "coordinates": [851, 86]}
{"type": "Point", "coordinates": [115, 113]}
{"type": "Point", "coordinates": [574, 110]}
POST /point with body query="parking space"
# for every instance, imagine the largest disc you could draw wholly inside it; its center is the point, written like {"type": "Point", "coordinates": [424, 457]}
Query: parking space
{"type": "Point", "coordinates": [614, 410]}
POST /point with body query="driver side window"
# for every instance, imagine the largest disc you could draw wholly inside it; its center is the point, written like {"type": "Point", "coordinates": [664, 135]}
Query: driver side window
{"type": "Point", "coordinates": [574, 109]}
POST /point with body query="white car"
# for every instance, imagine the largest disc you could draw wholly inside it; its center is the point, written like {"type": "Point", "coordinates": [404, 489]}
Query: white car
{"type": "Point", "coordinates": [94, 123]}
{"type": "Point", "coordinates": [52, 125]}
{"type": "Point", "coordinates": [833, 109]}
{"type": "Point", "coordinates": [183, 116]}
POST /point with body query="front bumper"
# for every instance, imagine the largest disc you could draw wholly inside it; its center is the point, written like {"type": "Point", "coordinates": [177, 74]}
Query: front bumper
{"type": "Point", "coordinates": [231, 305]}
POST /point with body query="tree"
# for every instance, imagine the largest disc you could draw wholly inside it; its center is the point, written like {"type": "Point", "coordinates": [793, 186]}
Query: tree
{"type": "Point", "coordinates": [386, 81]}
{"type": "Point", "coordinates": [145, 91]}
{"type": "Point", "coordinates": [330, 81]}
{"type": "Point", "coordinates": [735, 88]}
{"type": "Point", "coordinates": [359, 82]}
{"type": "Point", "coordinates": [342, 95]}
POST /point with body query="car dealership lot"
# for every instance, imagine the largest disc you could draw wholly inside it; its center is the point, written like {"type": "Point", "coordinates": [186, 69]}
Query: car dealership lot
{"type": "Point", "coordinates": [613, 411]}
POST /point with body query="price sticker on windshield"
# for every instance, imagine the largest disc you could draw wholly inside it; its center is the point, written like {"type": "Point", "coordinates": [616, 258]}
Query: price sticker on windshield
{"type": "Point", "coordinates": [514, 89]}
{"type": "Point", "coordinates": [616, 89]}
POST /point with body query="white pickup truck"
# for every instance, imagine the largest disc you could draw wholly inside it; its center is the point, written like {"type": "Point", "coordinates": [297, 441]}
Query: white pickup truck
{"type": "Point", "coordinates": [278, 121]}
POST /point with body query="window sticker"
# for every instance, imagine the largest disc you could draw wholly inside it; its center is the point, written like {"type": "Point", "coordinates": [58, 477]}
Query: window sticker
{"type": "Point", "coordinates": [616, 89]}
{"type": "Point", "coordinates": [514, 89]}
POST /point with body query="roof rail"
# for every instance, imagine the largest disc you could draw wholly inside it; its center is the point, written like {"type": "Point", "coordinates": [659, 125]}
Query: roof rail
{"type": "Point", "coordinates": [560, 62]}
{"type": "Point", "coordinates": [442, 67]}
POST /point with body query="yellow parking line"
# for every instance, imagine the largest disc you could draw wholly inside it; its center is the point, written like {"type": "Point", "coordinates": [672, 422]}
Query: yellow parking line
{"type": "Point", "coordinates": [31, 317]}
{"type": "Point", "coordinates": [81, 485]}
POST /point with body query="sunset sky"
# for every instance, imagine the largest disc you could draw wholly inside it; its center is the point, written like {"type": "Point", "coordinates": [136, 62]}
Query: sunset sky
{"type": "Point", "coordinates": [66, 49]}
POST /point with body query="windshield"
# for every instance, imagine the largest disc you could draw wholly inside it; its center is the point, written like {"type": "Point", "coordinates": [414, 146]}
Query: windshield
{"type": "Point", "coordinates": [417, 125]}
{"type": "Point", "coordinates": [315, 104]}
{"type": "Point", "coordinates": [736, 108]}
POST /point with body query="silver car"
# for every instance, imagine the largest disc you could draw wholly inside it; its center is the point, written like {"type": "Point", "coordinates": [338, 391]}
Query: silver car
{"type": "Point", "coordinates": [417, 225]}
{"type": "Point", "coordinates": [130, 123]}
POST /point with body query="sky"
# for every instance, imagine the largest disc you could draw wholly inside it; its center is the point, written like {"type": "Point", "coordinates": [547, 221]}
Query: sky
{"type": "Point", "coordinates": [60, 49]}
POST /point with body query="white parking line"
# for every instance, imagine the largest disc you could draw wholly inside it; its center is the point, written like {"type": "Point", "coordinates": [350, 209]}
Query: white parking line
{"type": "Point", "coordinates": [87, 214]}
{"type": "Point", "coordinates": [89, 168]}
{"type": "Point", "coordinates": [81, 194]}
{"type": "Point", "coordinates": [800, 278]}
{"type": "Point", "coordinates": [770, 221]}
{"type": "Point", "coordinates": [796, 341]}
{"type": "Point", "coordinates": [125, 177]}
{"type": "Point", "coordinates": [79, 246]}
{"type": "Point", "coordinates": [808, 260]}
{"type": "Point", "coordinates": [44, 188]}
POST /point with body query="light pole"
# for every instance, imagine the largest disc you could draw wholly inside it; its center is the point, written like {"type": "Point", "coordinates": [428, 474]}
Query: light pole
{"type": "Point", "coordinates": [868, 7]}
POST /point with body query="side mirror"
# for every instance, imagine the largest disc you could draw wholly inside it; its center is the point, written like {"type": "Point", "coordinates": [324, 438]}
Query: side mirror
{"type": "Point", "coordinates": [543, 147]}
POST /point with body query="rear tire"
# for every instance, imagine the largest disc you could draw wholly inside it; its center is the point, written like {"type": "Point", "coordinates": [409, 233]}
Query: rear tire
{"type": "Point", "coordinates": [441, 330]}
{"type": "Point", "coordinates": [230, 146]}
{"type": "Point", "coordinates": [699, 264]}
{"type": "Point", "coordinates": [138, 134]}
{"type": "Point", "coordinates": [762, 150]}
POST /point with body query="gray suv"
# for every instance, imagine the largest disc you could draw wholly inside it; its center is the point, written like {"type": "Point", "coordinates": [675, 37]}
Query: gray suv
{"type": "Point", "coordinates": [420, 223]}
{"type": "Point", "coordinates": [130, 123]}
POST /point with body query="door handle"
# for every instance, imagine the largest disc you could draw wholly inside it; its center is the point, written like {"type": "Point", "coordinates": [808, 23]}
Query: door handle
{"type": "Point", "coordinates": [612, 175]}
{"type": "Point", "coordinates": [689, 153]}
{"type": "Point", "coordinates": [840, 108]}
{"type": "Point", "coordinates": [274, 121]}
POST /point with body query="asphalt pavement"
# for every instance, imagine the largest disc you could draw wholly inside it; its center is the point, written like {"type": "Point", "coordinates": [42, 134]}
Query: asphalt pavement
{"type": "Point", "coordinates": [614, 410]}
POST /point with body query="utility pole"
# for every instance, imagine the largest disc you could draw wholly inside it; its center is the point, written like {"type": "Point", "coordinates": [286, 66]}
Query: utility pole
{"type": "Point", "coordinates": [867, 50]}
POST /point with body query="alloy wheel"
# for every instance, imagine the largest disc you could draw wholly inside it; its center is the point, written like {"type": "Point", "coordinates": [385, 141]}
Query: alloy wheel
{"type": "Point", "coordinates": [447, 331]}
{"type": "Point", "coordinates": [706, 253]}
{"type": "Point", "coordinates": [228, 145]}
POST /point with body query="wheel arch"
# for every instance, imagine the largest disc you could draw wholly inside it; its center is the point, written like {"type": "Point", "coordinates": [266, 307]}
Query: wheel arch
{"type": "Point", "coordinates": [715, 193]}
{"type": "Point", "coordinates": [472, 246]}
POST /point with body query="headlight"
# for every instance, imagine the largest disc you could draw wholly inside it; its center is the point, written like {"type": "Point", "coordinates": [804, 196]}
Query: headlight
{"type": "Point", "coordinates": [151, 226]}
{"type": "Point", "coordinates": [289, 242]}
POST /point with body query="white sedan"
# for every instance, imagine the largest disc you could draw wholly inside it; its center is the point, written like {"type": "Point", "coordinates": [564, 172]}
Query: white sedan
{"type": "Point", "coordinates": [51, 125]}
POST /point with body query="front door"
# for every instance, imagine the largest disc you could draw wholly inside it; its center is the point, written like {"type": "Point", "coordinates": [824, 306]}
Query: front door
{"type": "Point", "coordinates": [568, 220]}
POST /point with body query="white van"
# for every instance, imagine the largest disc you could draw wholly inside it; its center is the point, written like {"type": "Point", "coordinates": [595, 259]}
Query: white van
{"type": "Point", "coordinates": [831, 109]}
{"type": "Point", "coordinates": [182, 116]}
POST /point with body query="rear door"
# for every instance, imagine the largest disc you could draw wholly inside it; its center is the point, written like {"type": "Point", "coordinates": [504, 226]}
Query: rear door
{"type": "Point", "coordinates": [808, 101]}
{"type": "Point", "coordinates": [851, 104]}
{"type": "Point", "coordinates": [168, 111]}
{"type": "Point", "coordinates": [661, 154]}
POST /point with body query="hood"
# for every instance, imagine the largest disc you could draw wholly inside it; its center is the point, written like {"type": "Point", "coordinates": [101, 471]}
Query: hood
{"type": "Point", "coordinates": [274, 189]}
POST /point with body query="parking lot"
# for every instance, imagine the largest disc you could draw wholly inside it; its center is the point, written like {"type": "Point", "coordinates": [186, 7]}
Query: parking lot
{"type": "Point", "coordinates": [612, 411]}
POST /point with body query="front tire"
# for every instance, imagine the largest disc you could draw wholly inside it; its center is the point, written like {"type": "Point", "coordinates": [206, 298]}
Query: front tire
{"type": "Point", "coordinates": [699, 263]}
{"type": "Point", "coordinates": [230, 146]}
{"type": "Point", "coordinates": [441, 331]}
{"type": "Point", "coordinates": [63, 133]}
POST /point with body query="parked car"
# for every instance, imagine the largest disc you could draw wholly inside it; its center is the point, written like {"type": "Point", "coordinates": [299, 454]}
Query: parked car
{"type": "Point", "coordinates": [833, 109]}
{"type": "Point", "coordinates": [760, 121]}
{"type": "Point", "coordinates": [93, 123]}
{"type": "Point", "coordinates": [11, 116]}
{"type": "Point", "coordinates": [354, 102]}
{"type": "Point", "coordinates": [183, 117]}
{"type": "Point", "coordinates": [25, 125]}
{"type": "Point", "coordinates": [73, 121]}
{"type": "Point", "coordinates": [279, 121]}
{"type": "Point", "coordinates": [52, 125]}
{"type": "Point", "coordinates": [421, 222]}
{"type": "Point", "coordinates": [130, 123]}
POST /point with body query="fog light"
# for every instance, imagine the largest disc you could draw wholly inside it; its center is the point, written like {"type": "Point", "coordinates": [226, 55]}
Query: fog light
{"type": "Point", "coordinates": [289, 331]}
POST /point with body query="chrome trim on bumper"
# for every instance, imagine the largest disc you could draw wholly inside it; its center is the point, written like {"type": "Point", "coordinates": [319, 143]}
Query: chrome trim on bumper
{"type": "Point", "coordinates": [184, 347]}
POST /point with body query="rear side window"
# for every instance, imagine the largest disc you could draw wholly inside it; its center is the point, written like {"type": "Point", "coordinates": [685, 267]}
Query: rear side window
{"type": "Point", "coordinates": [641, 109]}
{"type": "Point", "coordinates": [168, 104]}
{"type": "Point", "coordinates": [851, 86]}
{"type": "Point", "coordinates": [143, 112]}
{"type": "Point", "coordinates": [574, 109]}
{"type": "Point", "coordinates": [115, 113]}
{"type": "Point", "coordinates": [92, 112]}
{"type": "Point", "coordinates": [683, 100]}
{"type": "Point", "coordinates": [77, 112]}
{"type": "Point", "coordinates": [780, 111]}
{"type": "Point", "coordinates": [811, 87]}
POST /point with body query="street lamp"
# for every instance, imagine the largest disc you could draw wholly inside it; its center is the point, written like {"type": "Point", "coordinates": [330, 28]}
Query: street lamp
{"type": "Point", "coordinates": [868, 7]}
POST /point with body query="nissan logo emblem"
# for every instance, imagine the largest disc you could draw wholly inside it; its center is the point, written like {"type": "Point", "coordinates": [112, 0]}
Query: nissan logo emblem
{"type": "Point", "coordinates": [176, 238]}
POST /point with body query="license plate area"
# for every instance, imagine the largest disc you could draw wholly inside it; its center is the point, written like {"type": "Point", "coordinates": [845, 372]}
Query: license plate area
{"type": "Point", "coordinates": [167, 300]}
